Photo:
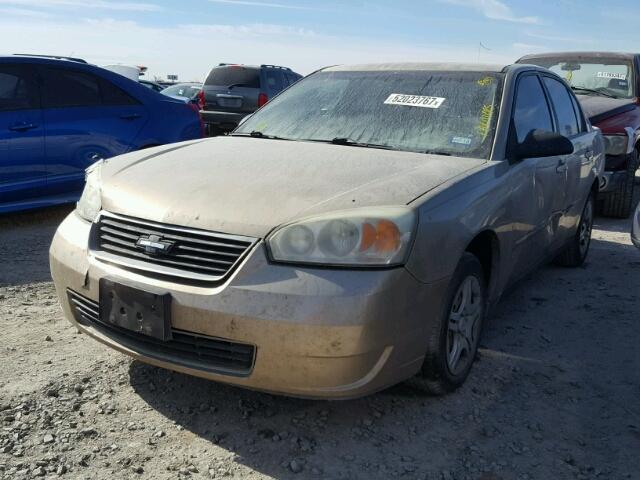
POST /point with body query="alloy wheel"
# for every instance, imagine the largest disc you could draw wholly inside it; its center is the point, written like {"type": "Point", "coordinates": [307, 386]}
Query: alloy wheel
{"type": "Point", "coordinates": [464, 325]}
{"type": "Point", "coordinates": [586, 225]}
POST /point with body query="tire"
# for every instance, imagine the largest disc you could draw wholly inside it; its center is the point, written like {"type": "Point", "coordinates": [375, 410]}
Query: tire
{"type": "Point", "coordinates": [619, 204]}
{"type": "Point", "coordinates": [576, 252]}
{"type": "Point", "coordinates": [439, 373]}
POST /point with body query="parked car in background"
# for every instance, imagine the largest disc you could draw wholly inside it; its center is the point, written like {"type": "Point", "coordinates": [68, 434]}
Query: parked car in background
{"type": "Point", "coordinates": [607, 86]}
{"type": "Point", "coordinates": [187, 92]}
{"type": "Point", "coordinates": [231, 92]}
{"type": "Point", "coordinates": [132, 72]}
{"type": "Point", "coordinates": [57, 117]}
{"type": "Point", "coordinates": [156, 87]}
{"type": "Point", "coordinates": [349, 235]}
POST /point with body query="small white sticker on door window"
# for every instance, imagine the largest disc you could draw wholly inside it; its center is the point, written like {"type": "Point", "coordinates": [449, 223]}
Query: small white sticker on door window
{"type": "Point", "coordinates": [414, 100]}
{"type": "Point", "coordinates": [619, 76]}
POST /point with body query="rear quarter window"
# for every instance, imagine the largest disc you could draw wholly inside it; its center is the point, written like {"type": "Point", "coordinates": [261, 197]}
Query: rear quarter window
{"type": "Point", "coordinates": [274, 80]}
{"type": "Point", "coordinates": [114, 95]}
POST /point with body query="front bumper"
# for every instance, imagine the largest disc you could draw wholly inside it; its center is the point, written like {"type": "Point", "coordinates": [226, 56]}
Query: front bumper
{"type": "Point", "coordinates": [317, 332]}
{"type": "Point", "coordinates": [612, 181]}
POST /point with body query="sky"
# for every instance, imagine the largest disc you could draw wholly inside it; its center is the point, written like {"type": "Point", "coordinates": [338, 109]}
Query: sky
{"type": "Point", "coordinates": [188, 37]}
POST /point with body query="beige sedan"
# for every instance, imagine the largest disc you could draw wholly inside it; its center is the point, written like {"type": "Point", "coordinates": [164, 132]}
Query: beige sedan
{"type": "Point", "coordinates": [349, 235]}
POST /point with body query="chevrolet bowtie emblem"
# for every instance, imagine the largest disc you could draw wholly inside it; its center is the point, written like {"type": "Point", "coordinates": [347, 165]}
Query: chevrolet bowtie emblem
{"type": "Point", "coordinates": [154, 245]}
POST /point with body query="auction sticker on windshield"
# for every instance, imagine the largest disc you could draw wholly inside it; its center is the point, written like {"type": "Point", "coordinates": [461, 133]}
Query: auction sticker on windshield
{"type": "Point", "coordinates": [414, 100]}
{"type": "Point", "coordinates": [619, 76]}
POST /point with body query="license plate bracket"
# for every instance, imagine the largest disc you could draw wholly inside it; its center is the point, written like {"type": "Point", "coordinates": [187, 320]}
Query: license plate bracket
{"type": "Point", "coordinates": [230, 102]}
{"type": "Point", "coordinates": [140, 311]}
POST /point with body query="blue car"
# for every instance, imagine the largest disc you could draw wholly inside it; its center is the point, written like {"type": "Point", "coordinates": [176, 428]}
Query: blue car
{"type": "Point", "coordinates": [58, 116]}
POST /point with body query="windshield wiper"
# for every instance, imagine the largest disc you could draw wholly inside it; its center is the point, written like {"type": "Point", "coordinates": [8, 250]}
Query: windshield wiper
{"type": "Point", "coordinates": [437, 152]}
{"type": "Point", "coordinates": [234, 85]}
{"type": "Point", "coordinates": [591, 90]}
{"type": "Point", "coordinates": [258, 134]}
{"type": "Point", "coordinates": [350, 143]}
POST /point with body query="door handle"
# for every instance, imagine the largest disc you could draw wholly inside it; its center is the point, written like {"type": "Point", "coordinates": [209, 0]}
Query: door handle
{"type": "Point", "coordinates": [562, 166]}
{"type": "Point", "coordinates": [22, 127]}
{"type": "Point", "coordinates": [588, 154]}
{"type": "Point", "coordinates": [130, 116]}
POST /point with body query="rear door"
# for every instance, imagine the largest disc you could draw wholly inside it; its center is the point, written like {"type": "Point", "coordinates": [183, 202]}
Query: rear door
{"type": "Point", "coordinates": [22, 162]}
{"type": "Point", "coordinates": [570, 123]}
{"type": "Point", "coordinates": [86, 118]}
{"type": "Point", "coordinates": [232, 88]}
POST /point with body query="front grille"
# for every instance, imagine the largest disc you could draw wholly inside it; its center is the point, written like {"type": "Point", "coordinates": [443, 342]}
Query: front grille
{"type": "Point", "coordinates": [185, 348]}
{"type": "Point", "coordinates": [193, 255]}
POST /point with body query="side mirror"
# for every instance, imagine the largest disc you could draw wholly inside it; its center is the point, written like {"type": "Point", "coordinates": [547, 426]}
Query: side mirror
{"type": "Point", "coordinates": [635, 230]}
{"type": "Point", "coordinates": [541, 143]}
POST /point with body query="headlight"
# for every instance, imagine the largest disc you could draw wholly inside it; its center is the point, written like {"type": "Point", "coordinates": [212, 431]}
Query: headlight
{"type": "Point", "coordinates": [90, 202]}
{"type": "Point", "coordinates": [367, 237]}
{"type": "Point", "coordinates": [616, 144]}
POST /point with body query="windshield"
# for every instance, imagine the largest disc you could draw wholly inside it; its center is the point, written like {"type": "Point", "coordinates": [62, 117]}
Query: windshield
{"type": "Point", "coordinates": [611, 77]}
{"type": "Point", "coordinates": [440, 112]}
{"type": "Point", "coordinates": [187, 91]}
{"type": "Point", "coordinates": [235, 75]}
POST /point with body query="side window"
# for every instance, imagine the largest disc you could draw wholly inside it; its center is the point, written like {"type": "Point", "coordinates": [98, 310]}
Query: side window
{"type": "Point", "coordinates": [576, 108]}
{"type": "Point", "coordinates": [69, 88]}
{"type": "Point", "coordinates": [113, 95]}
{"type": "Point", "coordinates": [531, 111]}
{"type": "Point", "coordinates": [561, 100]}
{"type": "Point", "coordinates": [274, 80]}
{"type": "Point", "coordinates": [292, 78]}
{"type": "Point", "coordinates": [17, 89]}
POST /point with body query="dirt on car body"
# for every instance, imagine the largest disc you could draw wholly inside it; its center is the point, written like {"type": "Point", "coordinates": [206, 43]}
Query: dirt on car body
{"type": "Point", "coordinates": [554, 394]}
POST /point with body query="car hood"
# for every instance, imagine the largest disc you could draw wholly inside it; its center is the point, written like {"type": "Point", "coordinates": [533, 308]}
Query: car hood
{"type": "Point", "coordinates": [248, 186]}
{"type": "Point", "coordinates": [600, 108]}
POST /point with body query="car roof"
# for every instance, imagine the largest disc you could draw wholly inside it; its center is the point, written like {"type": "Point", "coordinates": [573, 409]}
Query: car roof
{"type": "Point", "coordinates": [130, 86]}
{"type": "Point", "coordinates": [43, 60]}
{"type": "Point", "coordinates": [580, 55]}
{"type": "Point", "coordinates": [444, 67]}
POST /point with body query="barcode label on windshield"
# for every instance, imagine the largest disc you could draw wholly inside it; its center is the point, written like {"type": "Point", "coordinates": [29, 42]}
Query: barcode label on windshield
{"type": "Point", "coordinates": [414, 100]}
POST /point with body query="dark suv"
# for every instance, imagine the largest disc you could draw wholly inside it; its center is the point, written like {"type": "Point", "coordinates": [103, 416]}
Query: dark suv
{"type": "Point", "coordinates": [607, 85]}
{"type": "Point", "coordinates": [232, 92]}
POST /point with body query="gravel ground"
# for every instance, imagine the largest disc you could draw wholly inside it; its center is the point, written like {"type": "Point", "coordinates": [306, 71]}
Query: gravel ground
{"type": "Point", "coordinates": [554, 395]}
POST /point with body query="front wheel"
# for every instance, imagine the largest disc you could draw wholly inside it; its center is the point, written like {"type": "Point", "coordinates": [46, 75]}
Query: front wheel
{"type": "Point", "coordinates": [452, 341]}
{"type": "Point", "coordinates": [576, 252]}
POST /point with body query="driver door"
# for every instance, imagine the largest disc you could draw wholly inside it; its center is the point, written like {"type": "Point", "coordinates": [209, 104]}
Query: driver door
{"type": "Point", "coordinates": [538, 201]}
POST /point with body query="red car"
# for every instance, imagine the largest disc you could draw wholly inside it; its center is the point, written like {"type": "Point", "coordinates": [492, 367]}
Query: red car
{"type": "Point", "coordinates": [607, 86]}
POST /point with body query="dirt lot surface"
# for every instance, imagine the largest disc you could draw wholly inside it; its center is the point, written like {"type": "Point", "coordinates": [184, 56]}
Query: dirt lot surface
{"type": "Point", "coordinates": [555, 393]}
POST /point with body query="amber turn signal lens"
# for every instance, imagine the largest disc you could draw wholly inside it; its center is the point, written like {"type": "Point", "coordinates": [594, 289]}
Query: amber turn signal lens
{"type": "Point", "coordinates": [388, 237]}
{"type": "Point", "coordinates": [369, 235]}
{"type": "Point", "coordinates": [384, 237]}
